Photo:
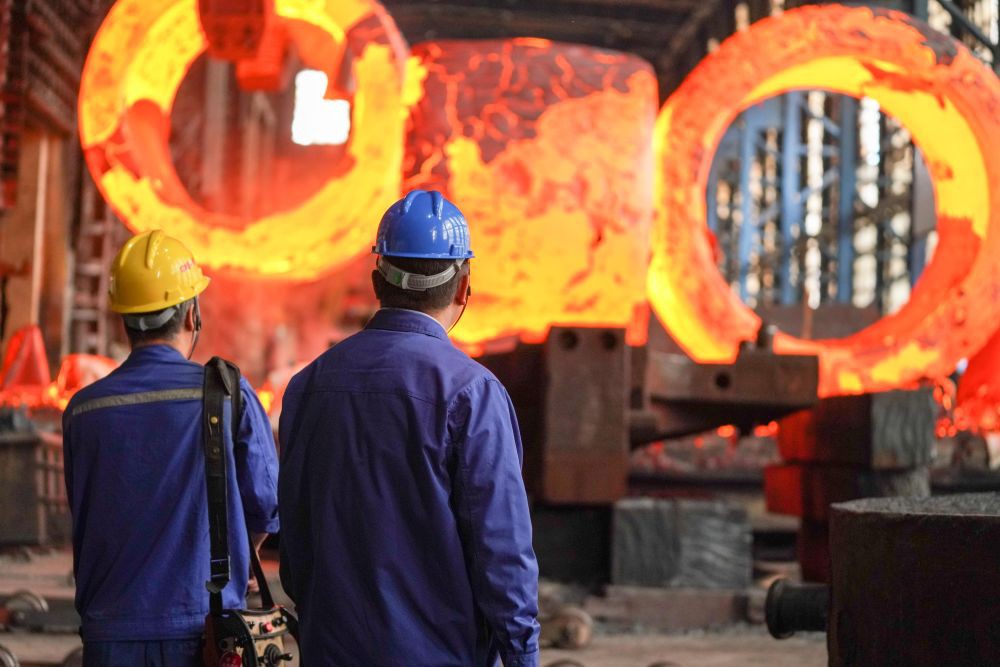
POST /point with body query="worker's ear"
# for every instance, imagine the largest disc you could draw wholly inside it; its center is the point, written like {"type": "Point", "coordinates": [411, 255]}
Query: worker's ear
{"type": "Point", "coordinates": [464, 290]}
{"type": "Point", "coordinates": [191, 318]}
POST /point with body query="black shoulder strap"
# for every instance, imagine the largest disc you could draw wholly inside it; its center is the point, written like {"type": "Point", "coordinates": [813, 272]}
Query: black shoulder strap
{"type": "Point", "coordinates": [216, 392]}
{"type": "Point", "coordinates": [222, 382]}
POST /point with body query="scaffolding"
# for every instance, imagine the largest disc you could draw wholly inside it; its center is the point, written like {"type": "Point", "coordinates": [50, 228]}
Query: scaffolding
{"type": "Point", "coordinates": [815, 197]}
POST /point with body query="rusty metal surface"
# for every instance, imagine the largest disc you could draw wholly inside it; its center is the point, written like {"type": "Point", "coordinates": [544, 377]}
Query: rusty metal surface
{"type": "Point", "coordinates": [33, 506]}
{"type": "Point", "coordinates": [700, 544]}
{"type": "Point", "coordinates": [758, 387]}
{"type": "Point", "coordinates": [812, 550]}
{"type": "Point", "coordinates": [571, 398]}
{"type": "Point", "coordinates": [572, 543]}
{"type": "Point", "coordinates": [915, 580]}
{"type": "Point", "coordinates": [884, 431]}
{"type": "Point", "coordinates": [807, 490]}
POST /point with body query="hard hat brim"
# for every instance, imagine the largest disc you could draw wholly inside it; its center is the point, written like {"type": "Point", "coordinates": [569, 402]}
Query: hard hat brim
{"type": "Point", "coordinates": [154, 306]}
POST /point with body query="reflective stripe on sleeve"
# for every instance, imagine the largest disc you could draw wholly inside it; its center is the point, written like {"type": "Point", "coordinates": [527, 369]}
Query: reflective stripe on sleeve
{"type": "Point", "coordinates": [138, 398]}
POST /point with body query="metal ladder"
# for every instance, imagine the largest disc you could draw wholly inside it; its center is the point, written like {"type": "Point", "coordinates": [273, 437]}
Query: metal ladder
{"type": "Point", "coordinates": [98, 236]}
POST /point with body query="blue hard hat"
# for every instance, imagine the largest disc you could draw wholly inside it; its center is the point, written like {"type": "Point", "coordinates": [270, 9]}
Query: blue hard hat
{"type": "Point", "coordinates": [423, 225]}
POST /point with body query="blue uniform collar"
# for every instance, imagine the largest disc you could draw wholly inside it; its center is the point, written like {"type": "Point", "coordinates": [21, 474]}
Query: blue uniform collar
{"type": "Point", "coordinates": [148, 353]}
{"type": "Point", "coordinates": [401, 319]}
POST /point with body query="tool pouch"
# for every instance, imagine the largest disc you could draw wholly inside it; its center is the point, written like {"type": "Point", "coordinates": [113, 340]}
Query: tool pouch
{"type": "Point", "coordinates": [234, 637]}
{"type": "Point", "coordinates": [247, 637]}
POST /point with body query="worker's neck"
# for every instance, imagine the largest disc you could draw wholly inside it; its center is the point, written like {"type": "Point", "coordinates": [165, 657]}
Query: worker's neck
{"type": "Point", "coordinates": [443, 316]}
{"type": "Point", "coordinates": [176, 343]}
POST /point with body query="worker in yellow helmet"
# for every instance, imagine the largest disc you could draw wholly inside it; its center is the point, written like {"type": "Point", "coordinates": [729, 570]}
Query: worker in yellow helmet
{"type": "Point", "coordinates": [155, 285]}
{"type": "Point", "coordinates": [135, 474]}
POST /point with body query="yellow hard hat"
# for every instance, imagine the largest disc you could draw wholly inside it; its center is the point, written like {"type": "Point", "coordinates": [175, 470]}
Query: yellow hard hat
{"type": "Point", "coordinates": [153, 271]}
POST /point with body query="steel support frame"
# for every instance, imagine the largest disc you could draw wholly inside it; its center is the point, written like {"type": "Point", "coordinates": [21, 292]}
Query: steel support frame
{"type": "Point", "coordinates": [742, 144]}
{"type": "Point", "coordinates": [961, 25]}
{"type": "Point", "coordinates": [847, 172]}
{"type": "Point", "coordinates": [791, 217]}
{"type": "Point", "coordinates": [745, 142]}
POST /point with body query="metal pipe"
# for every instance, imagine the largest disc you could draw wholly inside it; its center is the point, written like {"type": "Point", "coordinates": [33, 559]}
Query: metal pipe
{"type": "Point", "coordinates": [792, 608]}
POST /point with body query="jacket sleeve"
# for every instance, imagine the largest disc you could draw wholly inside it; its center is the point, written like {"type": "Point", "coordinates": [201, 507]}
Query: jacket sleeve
{"type": "Point", "coordinates": [257, 465]}
{"type": "Point", "coordinates": [492, 509]}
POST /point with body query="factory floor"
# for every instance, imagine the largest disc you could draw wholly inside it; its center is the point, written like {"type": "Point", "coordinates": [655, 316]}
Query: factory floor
{"type": "Point", "coordinates": [741, 645]}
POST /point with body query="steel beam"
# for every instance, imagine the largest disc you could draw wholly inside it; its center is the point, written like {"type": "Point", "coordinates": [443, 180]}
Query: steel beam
{"type": "Point", "coordinates": [967, 25]}
{"type": "Point", "coordinates": [748, 225]}
{"type": "Point", "coordinates": [845, 210]}
{"type": "Point", "coordinates": [791, 182]}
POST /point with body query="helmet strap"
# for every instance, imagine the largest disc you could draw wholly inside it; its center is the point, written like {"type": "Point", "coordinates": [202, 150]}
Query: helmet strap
{"type": "Point", "coordinates": [197, 327]}
{"type": "Point", "coordinates": [149, 322]}
{"type": "Point", "coordinates": [415, 281]}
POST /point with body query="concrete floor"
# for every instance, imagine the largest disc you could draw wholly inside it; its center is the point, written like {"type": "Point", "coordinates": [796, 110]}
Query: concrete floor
{"type": "Point", "coordinates": [735, 646]}
{"type": "Point", "coordinates": [724, 648]}
{"type": "Point", "coordinates": [709, 649]}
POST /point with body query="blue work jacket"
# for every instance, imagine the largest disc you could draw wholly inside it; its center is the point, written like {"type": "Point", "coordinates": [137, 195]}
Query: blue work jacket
{"type": "Point", "coordinates": [406, 538]}
{"type": "Point", "coordinates": [135, 476]}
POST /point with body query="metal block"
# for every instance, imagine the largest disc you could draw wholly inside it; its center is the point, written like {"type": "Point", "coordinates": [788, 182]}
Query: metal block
{"type": "Point", "coordinates": [680, 544]}
{"type": "Point", "coordinates": [688, 397]}
{"type": "Point", "coordinates": [891, 430]}
{"type": "Point", "coordinates": [572, 544]}
{"type": "Point", "coordinates": [571, 396]}
{"type": "Point", "coordinates": [808, 490]}
{"type": "Point", "coordinates": [830, 320]}
{"type": "Point", "coordinates": [914, 581]}
{"type": "Point", "coordinates": [33, 507]}
{"type": "Point", "coordinates": [812, 550]}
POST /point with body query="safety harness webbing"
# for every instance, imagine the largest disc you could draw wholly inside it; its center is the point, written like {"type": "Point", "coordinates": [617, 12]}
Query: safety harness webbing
{"type": "Point", "coordinates": [137, 399]}
{"type": "Point", "coordinates": [222, 383]}
{"type": "Point", "coordinates": [217, 391]}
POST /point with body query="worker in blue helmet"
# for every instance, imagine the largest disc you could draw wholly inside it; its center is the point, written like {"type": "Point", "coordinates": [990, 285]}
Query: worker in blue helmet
{"type": "Point", "coordinates": [406, 538]}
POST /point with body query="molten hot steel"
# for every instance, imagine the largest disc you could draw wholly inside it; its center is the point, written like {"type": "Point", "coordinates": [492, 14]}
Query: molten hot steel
{"type": "Point", "coordinates": [138, 60]}
{"type": "Point", "coordinates": [25, 379]}
{"type": "Point", "coordinates": [547, 148]}
{"type": "Point", "coordinates": [948, 100]}
{"type": "Point", "coordinates": [979, 391]}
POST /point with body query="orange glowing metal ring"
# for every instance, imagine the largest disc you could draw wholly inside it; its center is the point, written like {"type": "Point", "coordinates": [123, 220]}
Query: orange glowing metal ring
{"type": "Point", "coordinates": [948, 100]}
{"type": "Point", "coordinates": [138, 60]}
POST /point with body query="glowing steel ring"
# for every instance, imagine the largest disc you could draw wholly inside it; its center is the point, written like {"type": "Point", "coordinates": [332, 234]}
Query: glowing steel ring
{"type": "Point", "coordinates": [138, 60]}
{"type": "Point", "coordinates": [948, 100]}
